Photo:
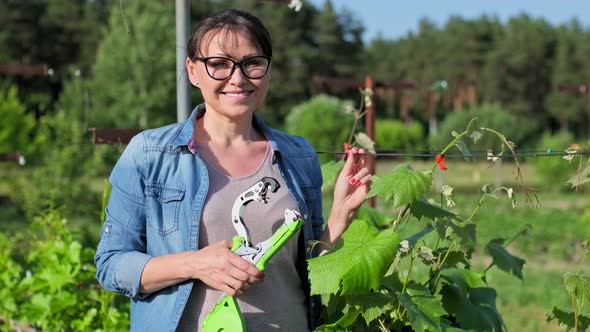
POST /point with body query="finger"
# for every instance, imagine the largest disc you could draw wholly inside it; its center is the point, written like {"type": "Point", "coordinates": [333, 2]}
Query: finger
{"type": "Point", "coordinates": [360, 157]}
{"type": "Point", "coordinates": [361, 174]}
{"type": "Point", "coordinates": [226, 289]}
{"type": "Point", "coordinates": [248, 268]}
{"type": "Point", "coordinates": [364, 180]}
{"type": "Point", "coordinates": [349, 163]}
{"type": "Point", "coordinates": [247, 277]}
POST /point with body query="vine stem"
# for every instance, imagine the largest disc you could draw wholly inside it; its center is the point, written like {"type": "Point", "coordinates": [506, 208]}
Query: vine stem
{"type": "Point", "coordinates": [401, 214]}
{"type": "Point", "coordinates": [450, 145]}
{"type": "Point", "coordinates": [575, 312]}
{"type": "Point", "coordinates": [399, 305]}
{"type": "Point", "coordinates": [519, 176]}
{"type": "Point", "coordinates": [583, 259]}
{"type": "Point", "coordinates": [479, 205]}
{"type": "Point", "coordinates": [357, 117]}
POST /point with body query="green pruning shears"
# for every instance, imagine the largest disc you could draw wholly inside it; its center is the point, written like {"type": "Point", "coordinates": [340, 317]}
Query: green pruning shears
{"type": "Point", "coordinates": [226, 315]}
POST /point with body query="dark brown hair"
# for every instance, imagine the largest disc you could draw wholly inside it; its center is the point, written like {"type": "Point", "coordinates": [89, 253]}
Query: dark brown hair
{"type": "Point", "coordinates": [232, 21]}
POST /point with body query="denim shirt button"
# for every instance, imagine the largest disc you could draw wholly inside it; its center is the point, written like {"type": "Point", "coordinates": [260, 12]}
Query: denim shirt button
{"type": "Point", "coordinates": [177, 150]}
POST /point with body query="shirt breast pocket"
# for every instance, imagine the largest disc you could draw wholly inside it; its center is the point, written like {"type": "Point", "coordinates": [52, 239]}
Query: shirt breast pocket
{"type": "Point", "coordinates": [163, 205]}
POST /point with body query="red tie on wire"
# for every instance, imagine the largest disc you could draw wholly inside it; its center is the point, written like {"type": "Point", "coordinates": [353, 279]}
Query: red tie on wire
{"type": "Point", "coordinates": [440, 160]}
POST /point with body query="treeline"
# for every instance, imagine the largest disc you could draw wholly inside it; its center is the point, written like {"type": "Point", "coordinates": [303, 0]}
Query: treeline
{"type": "Point", "coordinates": [113, 63]}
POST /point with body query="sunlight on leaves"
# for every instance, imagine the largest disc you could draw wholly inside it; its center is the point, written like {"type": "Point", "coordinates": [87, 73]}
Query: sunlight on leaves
{"type": "Point", "coordinates": [402, 185]}
{"type": "Point", "coordinates": [578, 286]}
{"type": "Point", "coordinates": [357, 263]}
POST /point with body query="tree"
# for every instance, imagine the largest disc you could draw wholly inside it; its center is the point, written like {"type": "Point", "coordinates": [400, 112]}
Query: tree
{"type": "Point", "coordinates": [16, 126]}
{"type": "Point", "coordinates": [520, 68]}
{"type": "Point", "coordinates": [565, 107]}
{"type": "Point", "coordinates": [59, 34]}
{"type": "Point", "coordinates": [134, 76]}
{"type": "Point", "coordinates": [338, 41]}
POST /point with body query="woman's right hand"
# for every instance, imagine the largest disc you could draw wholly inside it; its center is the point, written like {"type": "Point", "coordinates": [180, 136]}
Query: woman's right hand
{"type": "Point", "coordinates": [218, 267]}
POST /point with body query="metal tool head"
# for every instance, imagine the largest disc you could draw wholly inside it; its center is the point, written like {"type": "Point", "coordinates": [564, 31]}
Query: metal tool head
{"type": "Point", "coordinates": [256, 192]}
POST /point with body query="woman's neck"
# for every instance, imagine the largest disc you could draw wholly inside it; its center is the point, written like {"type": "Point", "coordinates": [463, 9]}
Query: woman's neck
{"type": "Point", "coordinates": [225, 132]}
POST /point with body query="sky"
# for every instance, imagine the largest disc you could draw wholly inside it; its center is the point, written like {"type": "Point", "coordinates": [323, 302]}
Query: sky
{"type": "Point", "coordinates": [395, 18]}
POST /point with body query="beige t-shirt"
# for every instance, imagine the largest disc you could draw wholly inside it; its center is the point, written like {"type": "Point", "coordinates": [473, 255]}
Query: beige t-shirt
{"type": "Point", "coordinates": [276, 304]}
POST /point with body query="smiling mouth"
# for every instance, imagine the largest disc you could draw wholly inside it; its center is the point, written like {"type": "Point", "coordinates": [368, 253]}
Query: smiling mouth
{"type": "Point", "coordinates": [237, 94]}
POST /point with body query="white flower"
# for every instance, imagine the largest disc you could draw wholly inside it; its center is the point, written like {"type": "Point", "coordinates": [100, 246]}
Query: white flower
{"type": "Point", "coordinates": [296, 5]}
{"type": "Point", "coordinates": [510, 193]}
{"type": "Point", "coordinates": [404, 246]}
{"type": "Point", "coordinates": [492, 157]}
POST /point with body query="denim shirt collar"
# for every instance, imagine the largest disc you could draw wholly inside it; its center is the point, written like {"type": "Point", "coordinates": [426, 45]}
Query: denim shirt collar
{"type": "Point", "coordinates": [185, 135]}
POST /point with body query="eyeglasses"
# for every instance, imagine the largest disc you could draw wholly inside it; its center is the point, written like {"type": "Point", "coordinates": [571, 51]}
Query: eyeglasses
{"type": "Point", "coordinates": [220, 68]}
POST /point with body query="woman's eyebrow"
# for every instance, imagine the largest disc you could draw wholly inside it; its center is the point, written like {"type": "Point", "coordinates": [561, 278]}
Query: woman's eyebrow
{"type": "Point", "coordinates": [225, 55]}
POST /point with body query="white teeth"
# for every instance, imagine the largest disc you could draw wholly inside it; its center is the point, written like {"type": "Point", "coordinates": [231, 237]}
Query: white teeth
{"type": "Point", "coordinates": [237, 94]}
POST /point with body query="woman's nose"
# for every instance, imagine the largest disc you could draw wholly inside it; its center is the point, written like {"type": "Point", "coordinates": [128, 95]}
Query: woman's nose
{"type": "Point", "coordinates": [237, 76]}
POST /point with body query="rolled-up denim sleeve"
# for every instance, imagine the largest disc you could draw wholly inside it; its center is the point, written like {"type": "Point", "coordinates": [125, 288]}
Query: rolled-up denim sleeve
{"type": "Point", "coordinates": [316, 208]}
{"type": "Point", "coordinates": [121, 254]}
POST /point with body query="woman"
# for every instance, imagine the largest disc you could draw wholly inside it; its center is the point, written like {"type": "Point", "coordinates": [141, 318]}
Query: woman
{"type": "Point", "coordinates": [167, 237]}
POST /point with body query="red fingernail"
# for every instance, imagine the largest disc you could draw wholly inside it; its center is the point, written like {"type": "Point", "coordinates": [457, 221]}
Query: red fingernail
{"type": "Point", "coordinates": [358, 184]}
{"type": "Point", "coordinates": [352, 181]}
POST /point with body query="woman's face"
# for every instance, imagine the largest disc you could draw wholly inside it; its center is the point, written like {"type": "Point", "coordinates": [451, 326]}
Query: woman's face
{"type": "Point", "coordinates": [236, 95]}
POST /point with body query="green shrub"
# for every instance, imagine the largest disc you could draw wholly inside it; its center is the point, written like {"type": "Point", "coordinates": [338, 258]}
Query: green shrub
{"type": "Point", "coordinates": [553, 170]}
{"type": "Point", "coordinates": [490, 116]}
{"type": "Point", "coordinates": [394, 135]}
{"type": "Point", "coordinates": [16, 125]}
{"type": "Point", "coordinates": [58, 291]}
{"type": "Point", "coordinates": [322, 121]}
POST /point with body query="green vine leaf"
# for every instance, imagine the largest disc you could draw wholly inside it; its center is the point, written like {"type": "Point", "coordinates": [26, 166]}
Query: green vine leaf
{"type": "Point", "coordinates": [475, 309]}
{"type": "Point", "coordinates": [424, 310]}
{"type": "Point", "coordinates": [342, 324]}
{"type": "Point", "coordinates": [453, 258]}
{"type": "Point", "coordinates": [578, 286]}
{"type": "Point", "coordinates": [357, 263]}
{"type": "Point", "coordinates": [330, 172]}
{"type": "Point", "coordinates": [402, 185]}
{"type": "Point", "coordinates": [503, 259]}
{"type": "Point", "coordinates": [378, 218]}
{"type": "Point", "coordinates": [460, 144]}
{"type": "Point", "coordinates": [464, 279]}
{"type": "Point", "coordinates": [581, 177]}
{"type": "Point", "coordinates": [414, 238]}
{"type": "Point", "coordinates": [365, 142]}
{"type": "Point", "coordinates": [422, 209]}
{"type": "Point", "coordinates": [465, 295]}
{"type": "Point", "coordinates": [372, 305]}
{"type": "Point", "coordinates": [451, 229]}
{"type": "Point", "coordinates": [566, 317]}
{"type": "Point", "coordinates": [472, 130]}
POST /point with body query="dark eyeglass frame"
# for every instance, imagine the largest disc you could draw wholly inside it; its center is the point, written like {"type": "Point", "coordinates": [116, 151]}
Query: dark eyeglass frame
{"type": "Point", "coordinates": [236, 64]}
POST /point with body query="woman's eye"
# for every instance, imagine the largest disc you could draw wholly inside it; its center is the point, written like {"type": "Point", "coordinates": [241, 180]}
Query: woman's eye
{"type": "Point", "coordinates": [219, 64]}
{"type": "Point", "coordinates": [253, 62]}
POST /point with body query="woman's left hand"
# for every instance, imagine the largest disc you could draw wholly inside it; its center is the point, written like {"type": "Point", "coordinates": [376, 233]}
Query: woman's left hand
{"type": "Point", "coordinates": [353, 183]}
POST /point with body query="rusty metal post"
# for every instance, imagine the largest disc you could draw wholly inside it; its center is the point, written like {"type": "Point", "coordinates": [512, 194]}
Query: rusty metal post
{"type": "Point", "coordinates": [370, 127]}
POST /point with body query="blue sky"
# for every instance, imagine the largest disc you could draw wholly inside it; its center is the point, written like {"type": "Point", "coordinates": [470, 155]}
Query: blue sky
{"type": "Point", "coordinates": [395, 18]}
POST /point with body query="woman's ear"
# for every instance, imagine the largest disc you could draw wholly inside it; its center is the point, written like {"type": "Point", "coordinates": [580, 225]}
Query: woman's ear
{"type": "Point", "coordinates": [191, 69]}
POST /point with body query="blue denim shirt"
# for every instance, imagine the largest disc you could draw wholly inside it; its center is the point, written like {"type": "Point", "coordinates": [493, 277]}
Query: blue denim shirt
{"type": "Point", "coordinates": [158, 190]}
